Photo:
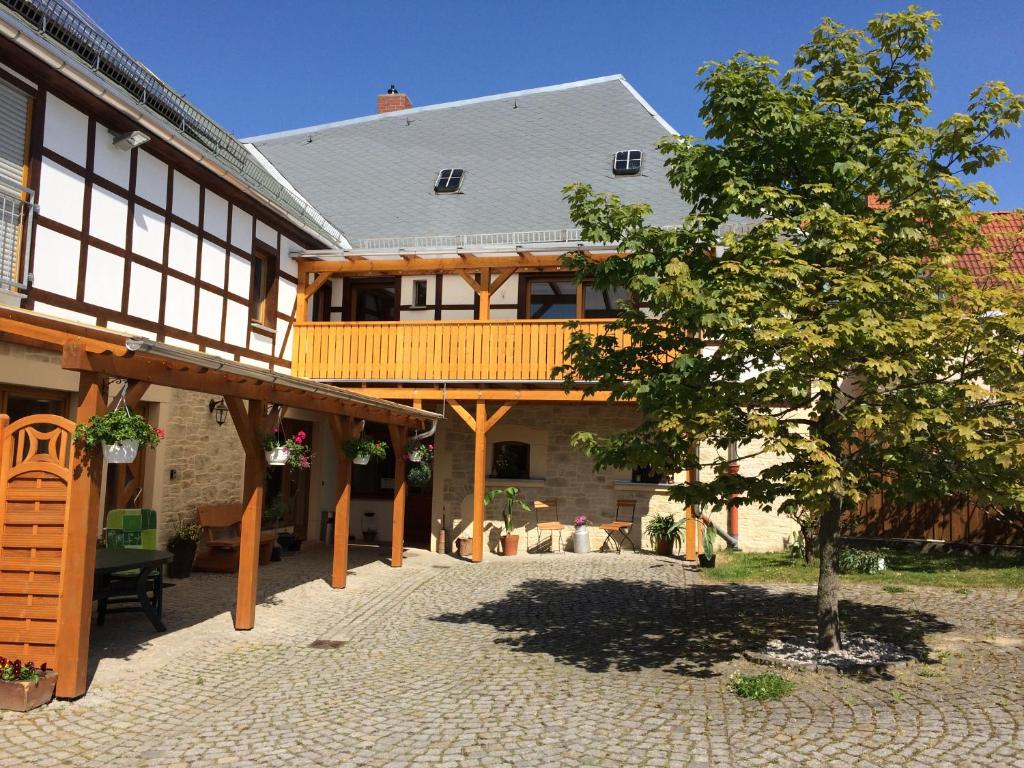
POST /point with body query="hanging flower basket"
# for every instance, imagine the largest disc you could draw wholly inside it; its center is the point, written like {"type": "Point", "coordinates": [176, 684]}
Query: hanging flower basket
{"type": "Point", "coordinates": [282, 450]}
{"type": "Point", "coordinates": [277, 456]}
{"type": "Point", "coordinates": [119, 432]}
{"type": "Point", "coordinates": [363, 450]}
{"type": "Point", "coordinates": [418, 452]}
{"type": "Point", "coordinates": [419, 474]}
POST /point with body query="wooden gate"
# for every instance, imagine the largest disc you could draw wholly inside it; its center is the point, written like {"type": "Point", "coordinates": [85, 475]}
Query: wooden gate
{"type": "Point", "coordinates": [35, 490]}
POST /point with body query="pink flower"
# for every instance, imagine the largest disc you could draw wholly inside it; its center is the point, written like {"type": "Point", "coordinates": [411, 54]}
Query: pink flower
{"type": "Point", "coordinates": [304, 462]}
{"type": "Point", "coordinates": [160, 433]}
{"type": "Point", "coordinates": [300, 437]}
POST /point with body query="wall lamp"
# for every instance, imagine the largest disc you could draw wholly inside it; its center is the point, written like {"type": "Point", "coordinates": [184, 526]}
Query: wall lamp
{"type": "Point", "coordinates": [219, 409]}
{"type": "Point", "coordinates": [129, 140]}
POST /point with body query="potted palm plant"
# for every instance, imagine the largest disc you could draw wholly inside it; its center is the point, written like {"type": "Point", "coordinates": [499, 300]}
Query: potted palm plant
{"type": "Point", "coordinates": [707, 557]}
{"type": "Point", "coordinates": [363, 449]}
{"type": "Point", "coordinates": [512, 501]}
{"type": "Point", "coordinates": [120, 432]}
{"type": "Point", "coordinates": [182, 544]}
{"type": "Point", "coordinates": [665, 532]}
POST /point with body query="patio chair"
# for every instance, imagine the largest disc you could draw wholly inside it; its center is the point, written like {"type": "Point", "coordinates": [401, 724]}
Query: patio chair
{"type": "Point", "coordinates": [625, 517]}
{"type": "Point", "coordinates": [548, 508]}
{"type": "Point", "coordinates": [222, 538]}
{"type": "Point", "coordinates": [128, 529]}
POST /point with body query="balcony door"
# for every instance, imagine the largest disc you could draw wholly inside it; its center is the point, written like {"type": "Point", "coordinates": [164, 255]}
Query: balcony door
{"type": "Point", "coordinates": [371, 299]}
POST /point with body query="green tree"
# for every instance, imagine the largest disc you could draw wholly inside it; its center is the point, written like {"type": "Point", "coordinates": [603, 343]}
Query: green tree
{"type": "Point", "coordinates": [841, 337]}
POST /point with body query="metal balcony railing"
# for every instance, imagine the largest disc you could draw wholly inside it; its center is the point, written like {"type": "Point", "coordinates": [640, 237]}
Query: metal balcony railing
{"type": "Point", "coordinates": [17, 207]}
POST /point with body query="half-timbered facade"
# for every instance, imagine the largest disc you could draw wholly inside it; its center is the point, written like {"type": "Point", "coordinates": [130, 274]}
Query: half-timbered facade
{"type": "Point", "coordinates": [123, 207]}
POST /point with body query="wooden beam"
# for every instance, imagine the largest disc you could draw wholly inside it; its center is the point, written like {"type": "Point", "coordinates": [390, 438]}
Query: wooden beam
{"type": "Point", "coordinates": [181, 376]}
{"type": "Point", "coordinates": [301, 296]}
{"type": "Point", "coordinates": [252, 514]}
{"type": "Point", "coordinates": [497, 416]}
{"type": "Point", "coordinates": [317, 284]}
{"type": "Point", "coordinates": [341, 430]}
{"type": "Point", "coordinates": [463, 413]}
{"type": "Point", "coordinates": [135, 392]}
{"type": "Point", "coordinates": [399, 436]}
{"type": "Point", "coordinates": [421, 265]}
{"type": "Point", "coordinates": [470, 280]}
{"type": "Point", "coordinates": [479, 479]}
{"type": "Point", "coordinates": [503, 394]}
{"type": "Point", "coordinates": [502, 277]}
{"type": "Point", "coordinates": [80, 533]}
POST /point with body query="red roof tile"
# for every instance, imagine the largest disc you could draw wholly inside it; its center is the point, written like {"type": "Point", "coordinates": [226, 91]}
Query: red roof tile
{"type": "Point", "coordinates": [1005, 233]}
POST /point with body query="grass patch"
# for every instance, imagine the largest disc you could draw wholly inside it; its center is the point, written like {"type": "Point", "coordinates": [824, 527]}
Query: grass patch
{"type": "Point", "coordinates": [767, 686]}
{"type": "Point", "coordinates": [960, 572]}
{"type": "Point", "coordinates": [893, 589]}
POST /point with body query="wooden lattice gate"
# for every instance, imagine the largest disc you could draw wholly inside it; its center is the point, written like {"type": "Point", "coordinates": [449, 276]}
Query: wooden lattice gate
{"type": "Point", "coordinates": [41, 576]}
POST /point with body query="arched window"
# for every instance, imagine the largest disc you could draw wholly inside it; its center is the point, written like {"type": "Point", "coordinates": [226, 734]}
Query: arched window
{"type": "Point", "coordinates": [511, 460]}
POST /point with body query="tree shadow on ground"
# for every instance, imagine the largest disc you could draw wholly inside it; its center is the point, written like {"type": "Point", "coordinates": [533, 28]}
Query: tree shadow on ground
{"type": "Point", "coordinates": [623, 625]}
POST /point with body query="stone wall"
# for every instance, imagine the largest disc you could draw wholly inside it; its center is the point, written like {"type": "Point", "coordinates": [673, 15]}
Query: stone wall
{"type": "Point", "coordinates": [207, 460]}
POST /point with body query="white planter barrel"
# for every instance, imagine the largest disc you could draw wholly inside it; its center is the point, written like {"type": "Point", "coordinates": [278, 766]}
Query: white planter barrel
{"type": "Point", "coordinates": [581, 540]}
{"type": "Point", "coordinates": [121, 453]}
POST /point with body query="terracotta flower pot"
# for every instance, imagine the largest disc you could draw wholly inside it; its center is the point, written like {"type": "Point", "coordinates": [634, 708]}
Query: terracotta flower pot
{"type": "Point", "coordinates": [509, 545]}
{"type": "Point", "coordinates": [21, 695]}
{"type": "Point", "coordinates": [663, 547]}
{"type": "Point", "coordinates": [465, 547]}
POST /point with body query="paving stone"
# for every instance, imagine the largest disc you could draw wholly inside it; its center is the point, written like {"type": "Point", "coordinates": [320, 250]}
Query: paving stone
{"type": "Point", "coordinates": [558, 660]}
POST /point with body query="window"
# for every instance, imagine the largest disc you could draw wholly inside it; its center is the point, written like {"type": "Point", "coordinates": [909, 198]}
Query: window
{"type": "Point", "coordinates": [371, 299]}
{"type": "Point", "coordinates": [448, 180]}
{"type": "Point", "coordinates": [627, 162]}
{"type": "Point", "coordinates": [598, 303]}
{"type": "Point", "coordinates": [259, 288]}
{"type": "Point", "coordinates": [646, 475]}
{"type": "Point", "coordinates": [19, 402]}
{"type": "Point", "coordinates": [419, 293]}
{"type": "Point", "coordinates": [511, 460]}
{"type": "Point", "coordinates": [552, 298]}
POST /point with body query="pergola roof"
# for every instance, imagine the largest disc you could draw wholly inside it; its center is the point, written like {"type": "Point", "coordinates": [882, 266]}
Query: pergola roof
{"type": "Point", "coordinates": [99, 350]}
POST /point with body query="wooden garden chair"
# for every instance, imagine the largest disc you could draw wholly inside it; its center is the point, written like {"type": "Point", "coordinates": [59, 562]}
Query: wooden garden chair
{"type": "Point", "coordinates": [547, 508]}
{"type": "Point", "coordinates": [625, 518]}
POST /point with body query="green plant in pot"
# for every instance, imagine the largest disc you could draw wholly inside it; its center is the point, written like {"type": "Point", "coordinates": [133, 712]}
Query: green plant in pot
{"type": "Point", "coordinates": [183, 542]}
{"type": "Point", "coordinates": [665, 533]}
{"type": "Point", "coordinates": [512, 501]}
{"type": "Point", "coordinates": [419, 474]}
{"type": "Point", "coordinates": [362, 450]}
{"type": "Point", "coordinates": [120, 432]}
{"type": "Point", "coordinates": [707, 557]}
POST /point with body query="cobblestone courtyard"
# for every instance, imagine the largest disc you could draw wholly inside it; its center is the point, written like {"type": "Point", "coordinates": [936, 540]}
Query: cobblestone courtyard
{"type": "Point", "coordinates": [587, 660]}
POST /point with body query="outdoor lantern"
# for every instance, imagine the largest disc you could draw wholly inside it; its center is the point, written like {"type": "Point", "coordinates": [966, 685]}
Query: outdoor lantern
{"type": "Point", "coordinates": [219, 409]}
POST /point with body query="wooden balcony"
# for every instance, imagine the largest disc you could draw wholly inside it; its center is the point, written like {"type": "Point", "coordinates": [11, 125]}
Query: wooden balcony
{"type": "Point", "coordinates": [497, 351]}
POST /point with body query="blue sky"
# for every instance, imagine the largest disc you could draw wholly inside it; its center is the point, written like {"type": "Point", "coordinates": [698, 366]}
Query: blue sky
{"type": "Point", "coordinates": [263, 65]}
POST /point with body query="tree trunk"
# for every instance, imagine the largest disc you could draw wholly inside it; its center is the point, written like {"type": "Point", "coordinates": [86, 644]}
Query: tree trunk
{"type": "Point", "coordinates": [808, 540]}
{"type": "Point", "coordinates": [829, 637]}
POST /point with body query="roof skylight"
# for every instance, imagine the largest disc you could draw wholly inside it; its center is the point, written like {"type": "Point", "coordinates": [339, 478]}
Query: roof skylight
{"type": "Point", "coordinates": [627, 162]}
{"type": "Point", "coordinates": [448, 180]}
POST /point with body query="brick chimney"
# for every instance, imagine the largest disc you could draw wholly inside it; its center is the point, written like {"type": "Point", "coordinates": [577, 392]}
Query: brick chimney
{"type": "Point", "coordinates": [392, 101]}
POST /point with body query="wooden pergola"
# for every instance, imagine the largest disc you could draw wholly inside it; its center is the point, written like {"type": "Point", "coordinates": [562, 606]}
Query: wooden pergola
{"type": "Point", "coordinates": [249, 393]}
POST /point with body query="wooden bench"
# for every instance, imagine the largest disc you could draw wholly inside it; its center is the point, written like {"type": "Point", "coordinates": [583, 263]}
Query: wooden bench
{"type": "Point", "coordinates": [221, 524]}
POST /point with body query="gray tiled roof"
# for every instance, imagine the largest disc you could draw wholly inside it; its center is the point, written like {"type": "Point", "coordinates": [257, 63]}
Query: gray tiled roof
{"type": "Point", "coordinates": [374, 176]}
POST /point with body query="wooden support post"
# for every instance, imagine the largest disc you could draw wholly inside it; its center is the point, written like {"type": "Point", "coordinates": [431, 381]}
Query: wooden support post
{"type": "Point", "coordinates": [691, 523]}
{"type": "Point", "coordinates": [72, 659]}
{"type": "Point", "coordinates": [479, 479]}
{"type": "Point", "coordinates": [341, 429]}
{"type": "Point", "coordinates": [485, 293]}
{"type": "Point", "coordinates": [248, 425]}
{"type": "Point", "coordinates": [398, 440]}
{"type": "Point", "coordinates": [301, 295]}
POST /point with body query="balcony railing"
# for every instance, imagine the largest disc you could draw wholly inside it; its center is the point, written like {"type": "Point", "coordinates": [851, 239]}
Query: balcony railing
{"type": "Point", "coordinates": [16, 210]}
{"type": "Point", "coordinates": [500, 351]}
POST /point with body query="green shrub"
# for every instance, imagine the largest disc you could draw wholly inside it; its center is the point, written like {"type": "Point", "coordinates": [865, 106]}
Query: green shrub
{"type": "Point", "coordinates": [861, 561]}
{"type": "Point", "coordinates": [666, 528]}
{"type": "Point", "coordinates": [764, 687]}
